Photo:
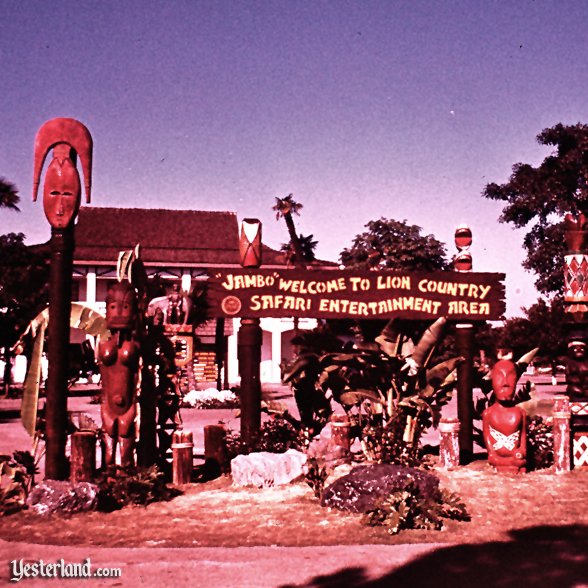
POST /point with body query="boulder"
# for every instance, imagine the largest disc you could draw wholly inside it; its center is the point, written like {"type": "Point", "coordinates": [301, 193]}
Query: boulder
{"type": "Point", "coordinates": [264, 469]}
{"type": "Point", "coordinates": [53, 496]}
{"type": "Point", "coordinates": [360, 489]}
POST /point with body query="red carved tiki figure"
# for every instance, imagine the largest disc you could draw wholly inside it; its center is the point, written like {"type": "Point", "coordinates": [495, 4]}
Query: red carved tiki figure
{"type": "Point", "coordinates": [504, 424]}
{"type": "Point", "coordinates": [119, 365]}
{"type": "Point", "coordinates": [61, 193]}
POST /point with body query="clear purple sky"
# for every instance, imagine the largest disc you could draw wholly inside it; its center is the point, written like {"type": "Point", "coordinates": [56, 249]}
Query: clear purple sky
{"type": "Point", "coordinates": [401, 109]}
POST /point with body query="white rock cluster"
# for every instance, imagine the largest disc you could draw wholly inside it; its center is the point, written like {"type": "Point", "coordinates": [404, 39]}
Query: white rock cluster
{"type": "Point", "coordinates": [265, 469]}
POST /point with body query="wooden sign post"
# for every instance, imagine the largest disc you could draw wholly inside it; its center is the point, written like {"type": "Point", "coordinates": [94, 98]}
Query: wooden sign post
{"type": "Point", "coordinates": [249, 340]}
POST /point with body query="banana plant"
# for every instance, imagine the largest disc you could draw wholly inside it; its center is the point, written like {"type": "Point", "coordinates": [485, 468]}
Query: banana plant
{"type": "Point", "coordinates": [385, 387]}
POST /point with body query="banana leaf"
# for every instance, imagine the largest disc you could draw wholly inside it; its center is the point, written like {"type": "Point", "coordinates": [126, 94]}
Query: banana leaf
{"type": "Point", "coordinates": [428, 341]}
{"type": "Point", "coordinates": [354, 397]}
{"type": "Point", "coordinates": [81, 317]}
{"type": "Point", "coordinates": [30, 397]}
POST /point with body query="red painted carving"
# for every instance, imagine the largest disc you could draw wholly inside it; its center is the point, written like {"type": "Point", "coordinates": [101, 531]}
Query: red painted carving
{"type": "Point", "coordinates": [119, 365]}
{"type": "Point", "coordinates": [61, 193]}
{"type": "Point", "coordinates": [250, 243]}
{"type": "Point", "coordinates": [505, 424]}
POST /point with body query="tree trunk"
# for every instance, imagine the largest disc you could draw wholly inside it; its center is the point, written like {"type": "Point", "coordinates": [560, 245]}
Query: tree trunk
{"type": "Point", "coordinates": [295, 241]}
{"type": "Point", "coordinates": [7, 371]}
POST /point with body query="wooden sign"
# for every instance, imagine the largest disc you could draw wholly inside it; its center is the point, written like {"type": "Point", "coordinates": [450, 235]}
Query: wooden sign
{"type": "Point", "coordinates": [360, 295]}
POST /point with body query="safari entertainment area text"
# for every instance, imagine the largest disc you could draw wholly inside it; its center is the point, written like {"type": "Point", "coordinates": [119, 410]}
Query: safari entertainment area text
{"type": "Point", "coordinates": [365, 294]}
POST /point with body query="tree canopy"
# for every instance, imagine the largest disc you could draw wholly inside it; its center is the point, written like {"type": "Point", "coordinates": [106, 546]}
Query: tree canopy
{"type": "Point", "coordinates": [543, 326]}
{"type": "Point", "coordinates": [539, 197]}
{"type": "Point", "coordinates": [9, 197]}
{"type": "Point", "coordinates": [395, 245]}
{"type": "Point", "coordinates": [24, 276]}
{"type": "Point", "coordinates": [285, 208]}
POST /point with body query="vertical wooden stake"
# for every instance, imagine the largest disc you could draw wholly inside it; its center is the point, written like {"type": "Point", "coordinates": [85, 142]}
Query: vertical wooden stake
{"type": "Point", "coordinates": [62, 244]}
{"type": "Point", "coordinates": [83, 456]}
{"type": "Point", "coordinates": [449, 443]}
{"type": "Point", "coordinates": [215, 447]}
{"type": "Point", "coordinates": [183, 457]}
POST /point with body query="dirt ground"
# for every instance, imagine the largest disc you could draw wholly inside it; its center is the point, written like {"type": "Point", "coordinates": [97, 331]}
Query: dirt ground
{"type": "Point", "coordinates": [217, 514]}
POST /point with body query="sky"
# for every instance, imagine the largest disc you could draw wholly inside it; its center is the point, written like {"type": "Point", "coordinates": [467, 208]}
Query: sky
{"type": "Point", "coordinates": [360, 109]}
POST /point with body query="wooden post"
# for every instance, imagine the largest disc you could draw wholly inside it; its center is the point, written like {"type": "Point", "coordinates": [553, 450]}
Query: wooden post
{"type": "Point", "coordinates": [449, 443]}
{"type": "Point", "coordinates": [464, 342]}
{"type": "Point", "coordinates": [83, 456]}
{"type": "Point", "coordinates": [215, 446]}
{"type": "Point", "coordinates": [62, 244]}
{"type": "Point", "coordinates": [249, 340]}
{"type": "Point", "coordinates": [341, 432]}
{"type": "Point", "coordinates": [561, 435]}
{"type": "Point", "coordinates": [183, 457]}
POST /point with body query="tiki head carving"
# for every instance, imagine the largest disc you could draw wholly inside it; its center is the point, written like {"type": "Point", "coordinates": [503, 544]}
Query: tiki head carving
{"type": "Point", "coordinates": [61, 193]}
{"type": "Point", "coordinates": [504, 380]}
{"type": "Point", "coordinates": [121, 306]}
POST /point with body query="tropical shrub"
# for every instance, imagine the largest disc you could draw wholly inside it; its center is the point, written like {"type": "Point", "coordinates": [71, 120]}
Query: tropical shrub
{"type": "Point", "coordinates": [407, 508]}
{"type": "Point", "coordinates": [387, 389]}
{"type": "Point", "coordinates": [17, 476]}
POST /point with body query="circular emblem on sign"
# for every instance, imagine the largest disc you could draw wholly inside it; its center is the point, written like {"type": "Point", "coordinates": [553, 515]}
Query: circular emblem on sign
{"type": "Point", "coordinates": [231, 305]}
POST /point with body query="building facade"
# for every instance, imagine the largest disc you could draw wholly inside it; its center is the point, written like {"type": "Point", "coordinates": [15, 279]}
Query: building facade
{"type": "Point", "coordinates": [179, 247]}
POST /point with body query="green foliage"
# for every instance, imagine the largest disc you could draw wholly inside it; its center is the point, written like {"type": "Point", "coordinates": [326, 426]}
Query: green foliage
{"type": "Point", "coordinates": [540, 196]}
{"type": "Point", "coordinates": [307, 247]}
{"type": "Point", "coordinates": [17, 476]}
{"type": "Point", "coordinates": [406, 508]}
{"type": "Point", "coordinates": [9, 197]}
{"type": "Point", "coordinates": [118, 488]}
{"type": "Point", "coordinates": [388, 389]}
{"type": "Point", "coordinates": [285, 208]}
{"type": "Point", "coordinates": [316, 476]}
{"type": "Point", "coordinates": [396, 245]}
{"type": "Point", "coordinates": [539, 443]}
{"type": "Point", "coordinates": [543, 326]}
{"type": "Point", "coordinates": [276, 435]}
{"type": "Point", "coordinates": [24, 276]}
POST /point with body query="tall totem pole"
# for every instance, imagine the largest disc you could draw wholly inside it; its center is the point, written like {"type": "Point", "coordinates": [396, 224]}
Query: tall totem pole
{"type": "Point", "coordinates": [68, 138]}
{"type": "Point", "coordinates": [250, 339]}
{"type": "Point", "coordinates": [576, 308]}
{"type": "Point", "coordinates": [464, 341]}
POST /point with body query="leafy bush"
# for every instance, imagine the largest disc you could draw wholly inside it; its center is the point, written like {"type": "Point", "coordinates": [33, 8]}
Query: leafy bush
{"type": "Point", "coordinates": [316, 476]}
{"type": "Point", "coordinates": [210, 398]}
{"type": "Point", "coordinates": [388, 389]}
{"type": "Point", "coordinates": [276, 435]}
{"type": "Point", "coordinates": [17, 476]}
{"type": "Point", "coordinates": [539, 443]}
{"type": "Point", "coordinates": [117, 488]}
{"type": "Point", "coordinates": [406, 508]}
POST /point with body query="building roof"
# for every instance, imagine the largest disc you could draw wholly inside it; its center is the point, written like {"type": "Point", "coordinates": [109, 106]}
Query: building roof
{"type": "Point", "coordinates": [171, 237]}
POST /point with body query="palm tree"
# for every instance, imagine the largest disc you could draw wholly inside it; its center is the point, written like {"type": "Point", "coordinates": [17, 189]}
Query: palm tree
{"type": "Point", "coordinates": [9, 197]}
{"type": "Point", "coordinates": [307, 246]}
{"type": "Point", "coordinates": [285, 208]}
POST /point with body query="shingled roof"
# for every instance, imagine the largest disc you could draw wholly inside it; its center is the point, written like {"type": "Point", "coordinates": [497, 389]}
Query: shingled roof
{"type": "Point", "coordinates": [182, 237]}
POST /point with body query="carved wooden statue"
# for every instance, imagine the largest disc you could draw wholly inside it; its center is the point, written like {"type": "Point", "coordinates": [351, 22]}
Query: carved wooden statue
{"type": "Point", "coordinates": [175, 308]}
{"type": "Point", "coordinates": [504, 424]}
{"type": "Point", "coordinates": [119, 366]}
{"type": "Point", "coordinates": [577, 369]}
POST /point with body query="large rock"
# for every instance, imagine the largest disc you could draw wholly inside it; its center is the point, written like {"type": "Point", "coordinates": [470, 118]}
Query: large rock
{"type": "Point", "coordinates": [360, 489]}
{"type": "Point", "coordinates": [52, 496]}
{"type": "Point", "coordinates": [265, 469]}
